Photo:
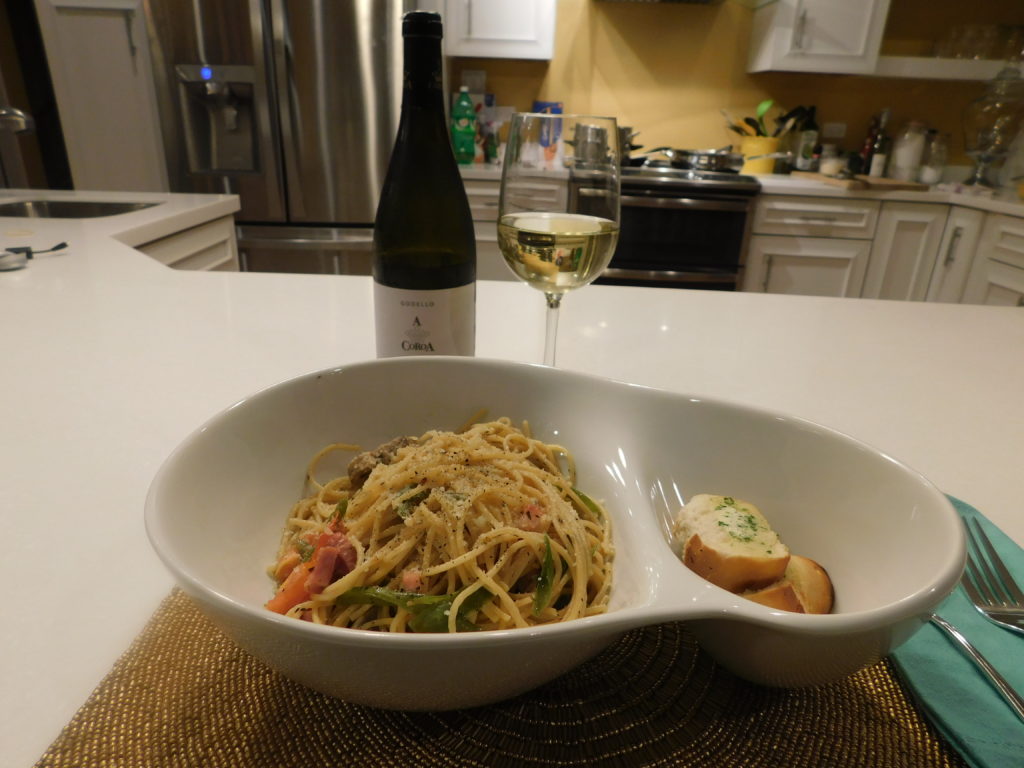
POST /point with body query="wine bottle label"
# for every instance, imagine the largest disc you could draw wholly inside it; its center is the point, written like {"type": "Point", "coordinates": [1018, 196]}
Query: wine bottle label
{"type": "Point", "coordinates": [441, 322]}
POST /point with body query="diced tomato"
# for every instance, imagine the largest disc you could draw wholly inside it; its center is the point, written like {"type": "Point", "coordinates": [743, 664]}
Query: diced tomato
{"type": "Point", "coordinates": [333, 556]}
{"type": "Point", "coordinates": [293, 591]}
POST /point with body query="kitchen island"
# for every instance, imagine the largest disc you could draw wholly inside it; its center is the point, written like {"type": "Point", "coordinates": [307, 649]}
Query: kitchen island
{"type": "Point", "coordinates": [110, 359]}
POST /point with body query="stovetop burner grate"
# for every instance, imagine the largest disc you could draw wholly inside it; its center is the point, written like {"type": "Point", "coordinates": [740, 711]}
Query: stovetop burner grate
{"type": "Point", "coordinates": [679, 179]}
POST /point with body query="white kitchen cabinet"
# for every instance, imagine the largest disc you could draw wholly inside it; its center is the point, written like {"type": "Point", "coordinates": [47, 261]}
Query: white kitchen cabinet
{"type": "Point", "coordinates": [904, 251]}
{"type": "Point", "coordinates": [483, 204]}
{"type": "Point", "coordinates": [98, 53]}
{"type": "Point", "coordinates": [499, 29]}
{"type": "Point", "coordinates": [843, 37]}
{"type": "Point", "coordinates": [813, 246]}
{"type": "Point", "coordinates": [817, 35]}
{"type": "Point", "coordinates": [807, 266]}
{"type": "Point", "coordinates": [484, 195]}
{"type": "Point", "coordinates": [208, 247]}
{"type": "Point", "coordinates": [815, 216]}
{"type": "Point", "coordinates": [997, 273]}
{"type": "Point", "coordinates": [956, 252]}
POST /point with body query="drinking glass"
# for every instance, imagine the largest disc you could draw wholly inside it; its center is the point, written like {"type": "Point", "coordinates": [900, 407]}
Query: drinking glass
{"type": "Point", "coordinates": [558, 219]}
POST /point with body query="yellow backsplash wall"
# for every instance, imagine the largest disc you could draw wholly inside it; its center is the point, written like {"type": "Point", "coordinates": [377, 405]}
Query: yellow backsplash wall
{"type": "Point", "coordinates": [667, 69]}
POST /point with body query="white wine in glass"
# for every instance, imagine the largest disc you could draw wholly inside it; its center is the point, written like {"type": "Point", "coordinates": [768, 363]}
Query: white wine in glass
{"type": "Point", "coordinates": [558, 219]}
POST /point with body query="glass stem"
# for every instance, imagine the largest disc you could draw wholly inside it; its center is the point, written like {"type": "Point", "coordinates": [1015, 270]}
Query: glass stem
{"type": "Point", "coordinates": [554, 301]}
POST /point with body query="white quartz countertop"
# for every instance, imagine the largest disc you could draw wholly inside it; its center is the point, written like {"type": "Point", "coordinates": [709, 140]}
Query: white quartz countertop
{"type": "Point", "coordinates": [784, 184]}
{"type": "Point", "coordinates": [110, 359]}
{"type": "Point", "coordinates": [1000, 202]}
{"type": "Point", "coordinates": [171, 213]}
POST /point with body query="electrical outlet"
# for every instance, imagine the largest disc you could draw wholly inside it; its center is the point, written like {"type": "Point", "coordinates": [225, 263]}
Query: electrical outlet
{"type": "Point", "coordinates": [833, 130]}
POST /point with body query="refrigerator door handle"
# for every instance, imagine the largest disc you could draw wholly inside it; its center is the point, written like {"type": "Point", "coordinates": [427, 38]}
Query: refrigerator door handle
{"type": "Point", "coordinates": [350, 243]}
{"type": "Point", "coordinates": [324, 250]}
{"type": "Point", "coordinates": [285, 84]}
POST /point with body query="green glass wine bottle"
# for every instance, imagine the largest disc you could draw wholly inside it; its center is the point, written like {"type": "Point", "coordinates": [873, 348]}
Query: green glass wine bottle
{"type": "Point", "coordinates": [424, 265]}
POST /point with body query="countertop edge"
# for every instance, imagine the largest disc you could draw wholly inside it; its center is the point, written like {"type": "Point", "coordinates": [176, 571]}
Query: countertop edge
{"type": "Point", "coordinates": [782, 184]}
{"type": "Point", "coordinates": [173, 213]}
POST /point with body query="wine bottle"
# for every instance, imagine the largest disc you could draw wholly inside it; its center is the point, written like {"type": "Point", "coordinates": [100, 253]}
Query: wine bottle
{"type": "Point", "coordinates": [424, 261]}
{"type": "Point", "coordinates": [882, 148]}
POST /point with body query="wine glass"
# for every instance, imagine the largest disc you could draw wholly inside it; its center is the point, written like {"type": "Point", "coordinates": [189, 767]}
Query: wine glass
{"type": "Point", "coordinates": [558, 219]}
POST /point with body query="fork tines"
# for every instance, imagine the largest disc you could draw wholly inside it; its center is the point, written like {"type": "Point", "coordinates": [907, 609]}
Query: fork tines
{"type": "Point", "coordinates": [988, 583]}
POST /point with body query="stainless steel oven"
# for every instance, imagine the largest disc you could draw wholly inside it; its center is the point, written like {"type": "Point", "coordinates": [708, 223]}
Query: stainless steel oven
{"type": "Point", "coordinates": [682, 228]}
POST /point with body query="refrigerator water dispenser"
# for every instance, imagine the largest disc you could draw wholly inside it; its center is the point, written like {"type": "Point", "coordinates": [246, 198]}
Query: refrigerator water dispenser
{"type": "Point", "coordinates": [219, 118]}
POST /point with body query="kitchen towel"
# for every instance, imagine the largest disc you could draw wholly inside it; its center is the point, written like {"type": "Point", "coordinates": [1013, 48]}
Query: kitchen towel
{"type": "Point", "coordinates": [959, 700]}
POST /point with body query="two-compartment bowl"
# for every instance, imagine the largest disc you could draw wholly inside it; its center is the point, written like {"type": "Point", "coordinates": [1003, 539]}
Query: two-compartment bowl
{"type": "Point", "coordinates": [890, 540]}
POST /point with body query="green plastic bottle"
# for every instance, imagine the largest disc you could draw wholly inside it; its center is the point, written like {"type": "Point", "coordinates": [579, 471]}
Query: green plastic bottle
{"type": "Point", "coordinates": [464, 128]}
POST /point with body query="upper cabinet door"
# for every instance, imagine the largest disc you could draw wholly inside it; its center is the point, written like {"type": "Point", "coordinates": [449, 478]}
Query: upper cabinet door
{"type": "Point", "coordinates": [818, 35]}
{"type": "Point", "coordinates": [98, 54]}
{"type": "Point", "coordinates": [499, 29]}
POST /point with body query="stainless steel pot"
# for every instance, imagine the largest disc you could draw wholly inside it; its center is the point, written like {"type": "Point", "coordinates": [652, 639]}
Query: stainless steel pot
{"type": "Point", "coordinates": [693, 159]}
{"type": "Point", "coordinates": [701, 159]}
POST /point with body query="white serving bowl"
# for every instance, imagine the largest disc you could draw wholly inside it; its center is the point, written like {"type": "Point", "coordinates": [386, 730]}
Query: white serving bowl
{"type": "Point", "coordinates": [891, 542]}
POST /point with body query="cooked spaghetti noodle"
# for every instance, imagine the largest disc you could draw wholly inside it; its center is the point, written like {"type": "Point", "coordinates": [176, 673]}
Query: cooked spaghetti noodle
{"type": "Point", "coordinates": [481, 529]}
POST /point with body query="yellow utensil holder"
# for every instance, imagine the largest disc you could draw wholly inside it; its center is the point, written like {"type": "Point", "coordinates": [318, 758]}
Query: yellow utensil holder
{"type": "Point", "coordinates": [752, 146]}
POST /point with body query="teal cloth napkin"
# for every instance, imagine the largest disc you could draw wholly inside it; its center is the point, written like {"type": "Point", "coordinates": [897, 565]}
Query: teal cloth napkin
{"type": "Point", "coordinates": [953, 693]}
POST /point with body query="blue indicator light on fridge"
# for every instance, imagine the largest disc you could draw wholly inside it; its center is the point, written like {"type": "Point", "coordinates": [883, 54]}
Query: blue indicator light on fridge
{"type": "Point", "coordinates": [206, 73]}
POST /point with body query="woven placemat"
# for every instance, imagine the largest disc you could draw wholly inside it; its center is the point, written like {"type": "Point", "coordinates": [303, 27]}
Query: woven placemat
{"type": "Point", "coordinates": [185, 695]}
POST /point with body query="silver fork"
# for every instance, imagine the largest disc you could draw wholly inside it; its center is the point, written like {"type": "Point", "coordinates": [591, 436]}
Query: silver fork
{"type": "Point", "coordinates": [989, 584]}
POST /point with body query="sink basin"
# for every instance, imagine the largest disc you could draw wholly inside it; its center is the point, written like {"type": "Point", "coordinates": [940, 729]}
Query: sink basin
{"type": "Point", "coordinates": [68, 209]}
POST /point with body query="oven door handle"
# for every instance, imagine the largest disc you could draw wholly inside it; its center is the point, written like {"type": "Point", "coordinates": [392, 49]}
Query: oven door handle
{"type": "Point", "coordinates": [684, 202]}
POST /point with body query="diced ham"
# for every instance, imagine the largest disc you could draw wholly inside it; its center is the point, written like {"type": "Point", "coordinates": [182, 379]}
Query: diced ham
{"type": "Point", "coordinates": [330, 540]}
{"type": "Point", "coordinates": [412, 580]}
{"type": "Point", "coordinates": [323, 571]}
{"type": "Point", "coordinates": [347, 558]}
{"type": "Point", "coordinates": [532, 517]}
{"type": "Point", "coordinates": [334, 557]}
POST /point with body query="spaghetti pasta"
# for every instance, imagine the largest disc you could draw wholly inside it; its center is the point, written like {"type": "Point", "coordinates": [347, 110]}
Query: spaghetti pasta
{"type": "Point", "coordinates": [479, 529]}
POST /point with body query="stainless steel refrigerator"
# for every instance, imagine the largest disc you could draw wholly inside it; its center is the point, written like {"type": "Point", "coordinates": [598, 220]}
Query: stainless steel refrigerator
{"type": "Point", "coordinates": [291, 104]}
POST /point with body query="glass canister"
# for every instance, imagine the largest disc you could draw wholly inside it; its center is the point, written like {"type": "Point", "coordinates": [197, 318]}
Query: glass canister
{"type": "Point", "coordinates": [936, 155]}
{"type": "Point", "coordinates": [907, 151]}
{"type": "Point", "coordinates": [991, 122]}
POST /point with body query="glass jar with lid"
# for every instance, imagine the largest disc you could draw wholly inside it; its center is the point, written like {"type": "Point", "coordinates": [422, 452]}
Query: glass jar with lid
{"type": "Point", "coordinates": [908, 150]}
{"type": "Point", "coordinates": [991, 122]}
{"type": "Point", "coordinates": [936, 155]}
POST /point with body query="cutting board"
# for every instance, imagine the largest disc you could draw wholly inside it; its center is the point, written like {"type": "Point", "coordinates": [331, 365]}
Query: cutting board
{"type": "Point", "coordinates": [857, 183]}
{"type": "Point", "coordinates": [861, 181]}
{"type": "Point", "coordinates": [877, 182]}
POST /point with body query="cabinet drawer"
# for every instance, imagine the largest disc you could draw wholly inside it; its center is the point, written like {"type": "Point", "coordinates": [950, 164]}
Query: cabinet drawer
{"type": "Point", "coordinates": [815, 217]}
{"type": "Point", "coordinates": [483, 199]}
{"type": "Point", "coordinates": [1006, 240]}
